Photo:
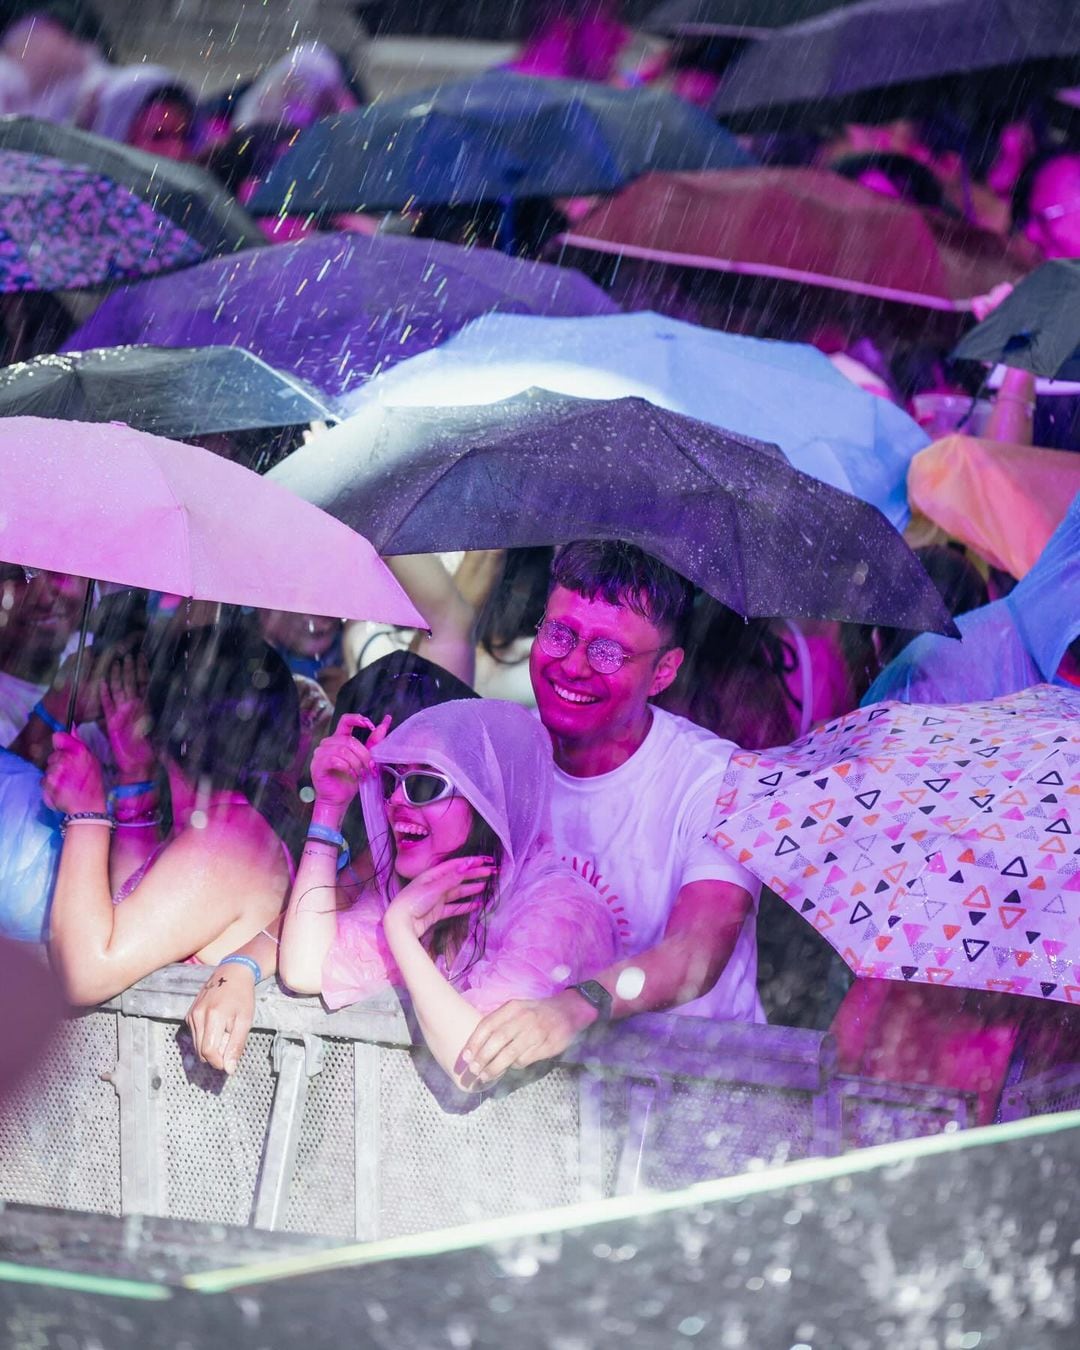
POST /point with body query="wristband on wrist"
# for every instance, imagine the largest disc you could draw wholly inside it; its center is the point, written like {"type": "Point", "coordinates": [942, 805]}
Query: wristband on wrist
{"type": "Point", "coordinates": [39, 710]}
{"type": "Point", "coordinates": [86, 818]}
{"type": "Point", "coordinates": [596, 996]}
{"type": "Point", "coordinates": [239, 959]}
{"type": "Point", "coordinates": [323, 834]}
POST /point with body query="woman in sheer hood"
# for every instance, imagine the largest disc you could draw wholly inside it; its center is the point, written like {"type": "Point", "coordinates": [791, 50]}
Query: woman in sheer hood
{"type": "Point", "coordinates": [461, 898]}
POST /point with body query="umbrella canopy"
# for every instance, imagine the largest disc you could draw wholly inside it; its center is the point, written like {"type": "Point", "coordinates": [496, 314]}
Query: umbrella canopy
{"type": "Point", "coordinates": [335, 309]}
{"type": "Point", "coordinates": [825, 425]}
{"type": "Point", "coordinates": [1004, 501]}
{"type": "Point", "coordinates": [498, 136]}
{"type": "Point", "coordinates": [175, 392]}
{"type": "Point", "coordinates": [63, 227]}
{"type": "Point", "coordinates": [933, 843]}
{"type": "Point", "coordinates": [192, 199]}
{"type": "Point", "coordinates": [731, 18]}
{"type": "Point", "coordinates": [866, 62]}
{"type": "Point", "coordinates": [1037, 328]}
{"type": "Point", "coordinates": [108, 502]}
{"type": "Point", "coordinates": [727, 512]}
{"type": "Point", "coordinates": [808, 226]}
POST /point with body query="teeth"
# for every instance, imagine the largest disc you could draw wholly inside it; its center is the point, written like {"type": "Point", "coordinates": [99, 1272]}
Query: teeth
{"type": "Point", "coordinates": [571, 697]}
{"type": "Point", "coordinates": [411, 831]}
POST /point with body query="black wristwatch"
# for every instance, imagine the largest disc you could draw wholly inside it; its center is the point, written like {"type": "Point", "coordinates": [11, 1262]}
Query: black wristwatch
{"type": "Point", "coordinates": [596, 996]}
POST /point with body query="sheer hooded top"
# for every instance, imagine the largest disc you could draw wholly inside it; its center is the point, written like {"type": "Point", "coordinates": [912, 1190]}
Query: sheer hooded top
{"type": "Point", "coordinates": [546, 928]}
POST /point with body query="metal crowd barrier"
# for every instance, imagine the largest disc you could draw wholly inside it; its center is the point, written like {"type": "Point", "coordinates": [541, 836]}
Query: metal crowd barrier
{"type": "Point", "coordinates": [330, 1126]}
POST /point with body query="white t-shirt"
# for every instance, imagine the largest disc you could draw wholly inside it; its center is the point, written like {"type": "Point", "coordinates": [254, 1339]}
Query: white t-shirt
{"type": "Point", "coordinates": [638, 834]}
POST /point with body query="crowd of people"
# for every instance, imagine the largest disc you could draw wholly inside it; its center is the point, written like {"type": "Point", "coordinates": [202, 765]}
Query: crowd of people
{"type": "Point", "coordinates": [347, 807]}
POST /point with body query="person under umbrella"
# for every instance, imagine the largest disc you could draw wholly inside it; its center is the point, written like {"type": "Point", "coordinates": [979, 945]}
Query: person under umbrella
{"type": "Point", "coordinates": [144, 106]}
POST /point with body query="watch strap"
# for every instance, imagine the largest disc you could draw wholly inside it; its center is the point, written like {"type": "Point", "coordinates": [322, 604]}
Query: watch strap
{"type": "Point", "coordinates": [596, 996]}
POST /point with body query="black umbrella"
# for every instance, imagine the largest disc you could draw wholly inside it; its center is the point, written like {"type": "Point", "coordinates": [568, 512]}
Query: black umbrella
{"type": "Point", "coordinates": [874, 61]}
{"type": "Point", "coordinates": [499, 136]}
{"type": "Point", "coordinates": [729, 513]}
{"type": "Point", "coordinates": [1037, 328]}
{"type": "Point", "coordinates": [731, 18]}
{"type": "Point", "coordinates": [188, 196]}
{"type": "Point", "coordinates": [177, 392]}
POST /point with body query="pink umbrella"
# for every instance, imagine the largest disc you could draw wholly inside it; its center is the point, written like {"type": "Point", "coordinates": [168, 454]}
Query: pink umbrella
{"type": "Point", "coordinates": [927, 842]}
{"type": "Point", "coordinates": [103, 501]}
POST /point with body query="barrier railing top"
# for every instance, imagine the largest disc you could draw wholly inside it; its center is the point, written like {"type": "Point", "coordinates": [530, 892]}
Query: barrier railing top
{"type": "Point", "coordinates": [666, 1045]}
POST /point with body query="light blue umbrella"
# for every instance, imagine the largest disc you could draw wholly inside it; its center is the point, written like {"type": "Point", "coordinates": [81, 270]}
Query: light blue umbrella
{"type": "Point", "coordinates": [781, 392]}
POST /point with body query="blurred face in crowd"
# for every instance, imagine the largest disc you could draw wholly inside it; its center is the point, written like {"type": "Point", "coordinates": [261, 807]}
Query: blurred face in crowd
{"type": "Point", "coordinates": [303, 634]}
{"type": "Point", "coordinates": [579, 705]}
{"type": "Point", "coordinates": [45, 50]}
{"type": "Point", "coordinates": [38, 614]}
{"type": "Point", "coordinates": [163, 127]}
{"type": "Point", "coordinates": [1053, 224]}
{"type": "Point", "coordinates": [1016, 145]}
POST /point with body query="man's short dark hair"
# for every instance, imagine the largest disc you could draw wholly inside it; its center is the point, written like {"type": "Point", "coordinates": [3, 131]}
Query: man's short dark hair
{"type": "Point", "coordinates": [623, 574]}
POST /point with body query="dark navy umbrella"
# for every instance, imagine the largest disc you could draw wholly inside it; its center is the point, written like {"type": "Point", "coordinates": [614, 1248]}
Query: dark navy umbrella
{"type": "Point", "coordinates": [179, 393]}
{"type": "Point", "coordinates": [876, 60]}
{"type": "Point", "coordinates": [729, 513]}
{"type": "Point", "coordinates": [334, 309]}
{"type": "Point", "coordinates": [497, 137]}
{"type": "Point", "coordinates": [731, 18]}
{"type": "Point", "coordinates": [1037, 328]}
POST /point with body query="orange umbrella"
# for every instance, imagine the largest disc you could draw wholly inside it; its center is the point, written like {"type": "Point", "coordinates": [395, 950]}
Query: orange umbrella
{"type": "Point", "coordinates": [1003, 501]}
{"type": "Point", "coordinates": [803, 225]}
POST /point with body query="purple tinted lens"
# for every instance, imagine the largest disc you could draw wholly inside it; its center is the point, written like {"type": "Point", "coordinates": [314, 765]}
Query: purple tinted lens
{"type": "Point", "coordinates": [555, 638]}
{"type": "Point", "coordinates": [605, 656]}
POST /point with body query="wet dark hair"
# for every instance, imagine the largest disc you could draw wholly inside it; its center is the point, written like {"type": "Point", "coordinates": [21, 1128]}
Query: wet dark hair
{"type": "Point", "coordinates": [623, 574]}
{"type": "Point", "coordinates": [912, 180]}
{"type": "Point", "coordinates": [540, 15]}
{"type": "Point", "coordinates": [225, 710]}
{"type": "Point", "coordinates": [249, 153]}
{"type": "Point", "coordinates": [733, 681]}
{"type": "Point", "coordinates": [1020, 207]}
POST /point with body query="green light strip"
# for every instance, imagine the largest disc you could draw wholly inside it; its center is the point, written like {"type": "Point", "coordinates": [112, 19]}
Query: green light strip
{"type": "Point", "coordinates": [83, 1283]}
{"type": "Point", "coordinates": [591, 1213]}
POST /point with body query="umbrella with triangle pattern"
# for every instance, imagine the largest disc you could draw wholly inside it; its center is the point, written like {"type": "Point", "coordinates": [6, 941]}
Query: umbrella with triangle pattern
{"type": "Point", "coordinates": [934, 843]}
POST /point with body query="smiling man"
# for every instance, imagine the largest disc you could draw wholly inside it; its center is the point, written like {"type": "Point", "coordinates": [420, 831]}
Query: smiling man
{"type": "Point", "coordinates": [635, 793]}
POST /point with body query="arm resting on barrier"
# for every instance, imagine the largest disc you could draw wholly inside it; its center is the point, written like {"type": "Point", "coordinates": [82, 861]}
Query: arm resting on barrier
{"type": "Point", "coordinates": [224, 1009]}
{"type": "Point", "coordinates": [697, 944]}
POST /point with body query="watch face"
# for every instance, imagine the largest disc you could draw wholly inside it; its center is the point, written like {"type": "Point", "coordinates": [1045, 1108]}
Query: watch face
{"type": "Point", "coordinates": [592, 991]}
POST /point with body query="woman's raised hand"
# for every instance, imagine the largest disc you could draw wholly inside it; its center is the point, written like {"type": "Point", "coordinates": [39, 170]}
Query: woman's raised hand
{"type": "Point", "coordinates": [73, 780]}
{"type": "Point", "coordinates": [441, 892]}
{"type": "Point", "coordinates": [340, 761]}
{"type": "Point", "coordinates": [127, 718]}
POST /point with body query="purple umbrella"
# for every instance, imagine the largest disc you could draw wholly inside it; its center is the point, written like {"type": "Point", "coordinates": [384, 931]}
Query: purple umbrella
{"type": "Point", "coordinates": [336, 309]}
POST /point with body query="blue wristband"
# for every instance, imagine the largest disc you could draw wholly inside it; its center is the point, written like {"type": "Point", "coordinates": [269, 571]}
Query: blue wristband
{"type": "Point", "coordinates": [131, 790]}
{"type": "Point", "coordinates": [39, 710]}
{"type": "Point", "coordinates": [325, 835]}
{"type": "Point", "coordinates": [239, 959]}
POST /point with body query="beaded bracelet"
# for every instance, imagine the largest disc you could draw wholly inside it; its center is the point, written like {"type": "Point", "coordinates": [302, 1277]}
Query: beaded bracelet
{"type": "Point", "coordinates": [86, 818]}
{"type": "Point", "coordinates": [39, 710]}
{"type": "Point", "coordinates": [239, 959]}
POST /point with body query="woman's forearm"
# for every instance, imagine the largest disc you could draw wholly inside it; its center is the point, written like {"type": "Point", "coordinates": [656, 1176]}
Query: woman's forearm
{"type": "Point", "coordinates": [81, 918]}
{"type": "Point", "coordinates": [310, 922]}
{"type": "Point", "coordinates": [446, 1019]}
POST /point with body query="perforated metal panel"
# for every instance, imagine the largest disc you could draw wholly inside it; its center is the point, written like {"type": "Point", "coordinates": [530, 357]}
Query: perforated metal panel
{"type": "Point", "coordinates": [867, 1121]}
{"type": "Point", "coordinates": [60, 1129]}
{"type": "Point", "coordinates": [211, 1128]}
{"type": "Point", "coordinates": [321, 1197]}
{"type": "Point", "coordinates": [699, 1130]}
{"type": "Point", "coordinates": [437, 1169]}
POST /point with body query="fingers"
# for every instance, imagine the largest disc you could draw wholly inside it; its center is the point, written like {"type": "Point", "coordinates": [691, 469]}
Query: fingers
{"type": "Point", "coordinates": [380, 732]}
{"type": "Point", "coordinates": [494, 1025]}
{"type": "Point", "coordinates": [236, 1040]}
{"type": "Point", "coordinates": [348, 721]}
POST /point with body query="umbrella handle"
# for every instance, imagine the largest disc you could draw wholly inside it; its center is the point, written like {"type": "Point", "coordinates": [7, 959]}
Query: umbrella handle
{"type": "Point", "coordinates": [84, 628]}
